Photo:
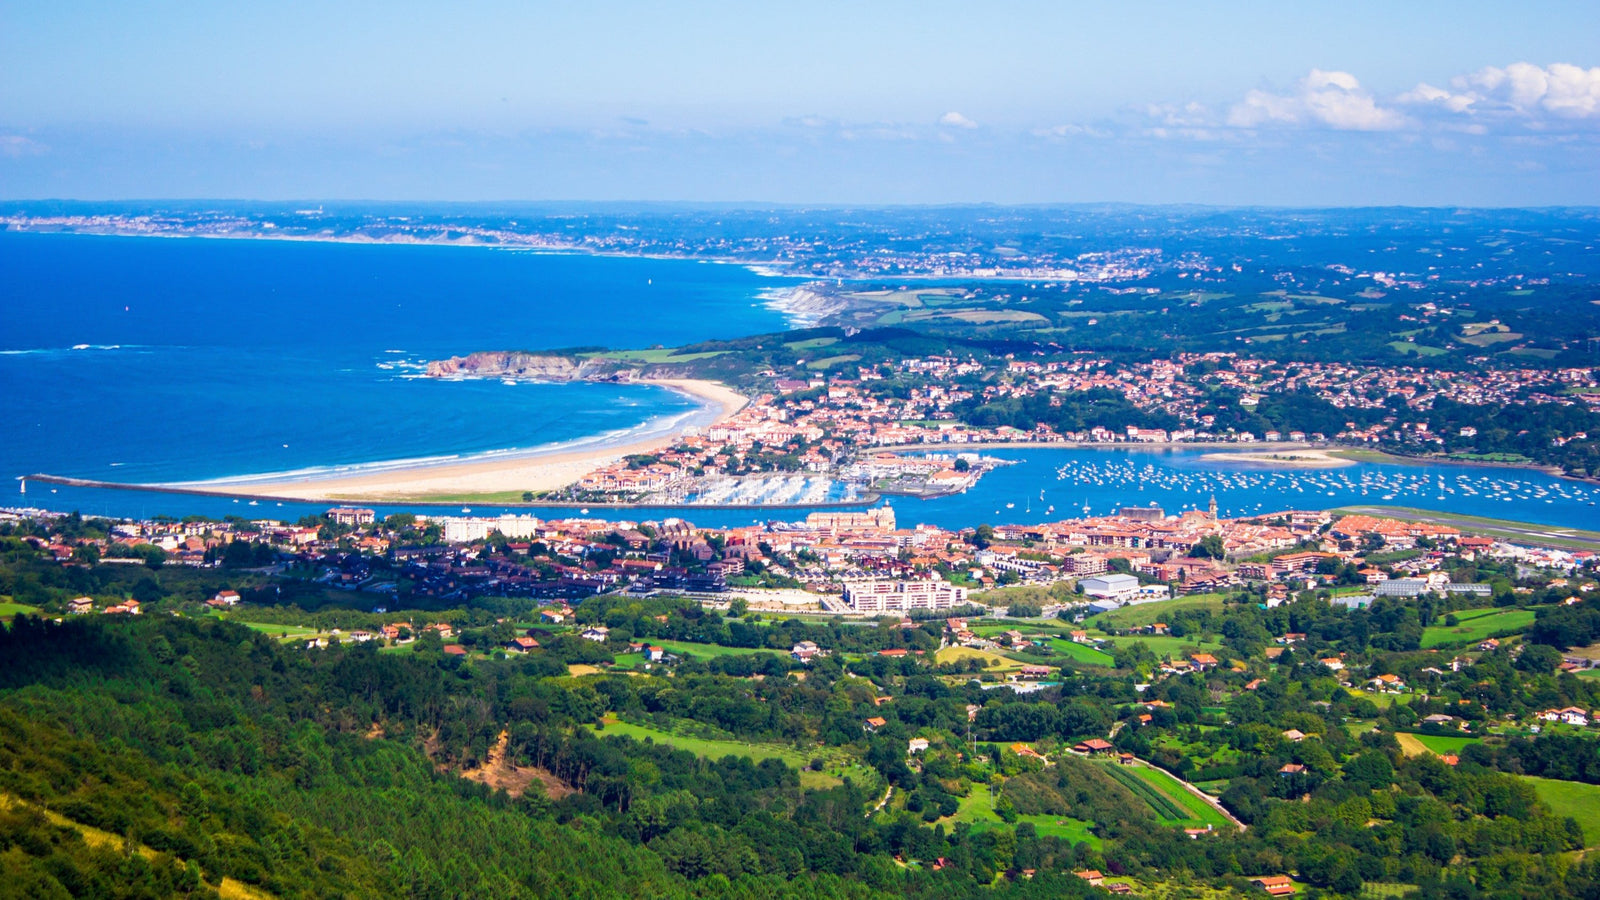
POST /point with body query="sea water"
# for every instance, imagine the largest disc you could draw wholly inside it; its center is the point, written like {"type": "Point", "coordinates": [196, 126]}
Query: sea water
{"type": "Point", "coordinates": [156, 359]}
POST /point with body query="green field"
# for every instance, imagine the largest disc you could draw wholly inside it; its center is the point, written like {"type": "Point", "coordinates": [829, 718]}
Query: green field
{"type": "Point", "coordinates": [833, 360]}
{"type": "Point", "coordinates": [1052, 634]}
{"type": "Point", "coordinates": [1172, 803]}
{"type": "Point", "coordinates": [811, 343]}
{"type": "Point", "coordinates": [1572, 798]}
{"type": "Point", "coordinates": [1443, 744]}
{"type": "Point", "coordinates": [992, 661]}
{"type": "Point", "coordinates": [1028, 627]}
{"type": "Point", "coordinates": [703, 651]}
{"type": "Point", "coordinates": [1476, 624]}
{"type": "Point", "coordinates": [1080, 652]}
{"type": "Point", "coordinates": [7, 610]}
{"type": "Point", "coordinates": [284, 633]}
{"type": "Point", "coordinates": [838, 764]}
{"type": "Point", "coordinates": [1150, 613]}
{"type": "Point", "coordinates": [977, 808]}
{"type": "Point", "coordinates": [1167, 645]}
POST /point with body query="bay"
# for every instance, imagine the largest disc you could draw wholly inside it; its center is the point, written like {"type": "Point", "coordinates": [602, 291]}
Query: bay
{"type": "Point", "coordinates": [158, 359]}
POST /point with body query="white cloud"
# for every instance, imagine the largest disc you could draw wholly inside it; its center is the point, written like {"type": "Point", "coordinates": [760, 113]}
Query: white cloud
{"type": "Point", "coordinates": [1426, 94]}
{"type": "Point", "coordinates": [1260, 107]}
{"type": "Point", "coordinates": [956, 120]}
{"type": "Point", "coordinates": [1573, 92]}
{"type": "Point", "coordinates": [1187, 115]}
{"type": "Point", "coordinates": [1071, 129]}
{"type": "Point", "coordinates": [1565, 90]}
{"type": "Point", "coordinates": [1330, 98]}
{"type": "Point", "coordinates": [17, 145]}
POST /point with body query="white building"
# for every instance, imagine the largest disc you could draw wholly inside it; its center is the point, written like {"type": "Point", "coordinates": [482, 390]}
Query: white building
{"type": "Point", "coordinates": [459, 530]}
{"type": "Point", "coordinates": [881, 595]}
{"type": "Point", "coordinates": [350, 515]}
{"type": "Point", "coordinates": [1110, 587]}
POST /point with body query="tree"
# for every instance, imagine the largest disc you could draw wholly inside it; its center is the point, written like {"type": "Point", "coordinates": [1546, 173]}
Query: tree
{"type": "Point", "coordinates": [738, 607]}
{"type": "Point", "coordinates": [153, 556]}
{"type": "Point", "coordinates": [1541, 659]}
{"type": "Point", "coordinates": [147, 590]}
{"type": "Point", "coordinates": [1209, 547]}
{"type": "Point", "coordinates": [983, 536]}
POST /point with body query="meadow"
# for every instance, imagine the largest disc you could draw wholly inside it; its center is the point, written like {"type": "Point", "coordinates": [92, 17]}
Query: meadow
{"type": "Point", "coordinates": [703, 651]}
{"type": "Point", "coordinates": [1443, 744]}
{"type": "Point", "coordinates": [1170, 800]}
{"type": "Point", "coordinates": [1571, 798]}
{"type": "Point", "coordinates": [1476, 625]}
{"type": "Point", "coordinates": [1157, 611]}
{"type": "Point", "coordinates": [8, 610]}
{"type": "Point", "coordinates": [977, 810]}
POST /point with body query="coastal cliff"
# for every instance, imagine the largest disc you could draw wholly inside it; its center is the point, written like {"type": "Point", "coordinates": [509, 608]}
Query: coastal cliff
{"type": "Point", "coordinates": [523, 365]}
{"type": "Point", "coordinates": [520, 365]}
{"type": "Point", "coordinates": [807, 305]}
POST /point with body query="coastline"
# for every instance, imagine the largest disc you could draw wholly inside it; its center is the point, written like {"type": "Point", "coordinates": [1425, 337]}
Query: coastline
{"type": "Point", "coordinates": [534, 470]}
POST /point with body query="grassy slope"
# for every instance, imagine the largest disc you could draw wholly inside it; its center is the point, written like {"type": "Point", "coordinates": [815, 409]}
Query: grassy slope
{"type": "Point", "coordinates": [957, 654]}
{"type": "Point", "coordinates": [707, 650]}
{"type": "Point", "coordinates": [1080, 652]}
{"type": "Point", "coordinates": [1443, 744]}
{"type": "Point", "coordinates": [7, 610]}
{"type": "Point", "coordinates": [1200, 813]}
{"type": "Point", "coordinates": [977, 808]}
{"type": "Point", "coordinates": [1167, 645]}
{"type": "Point", "coordinates": [1575, 799]}
{"type": "Point", "coordinates": [1476, 625]}
{"type": "Point", "coordinates": [1159, 611]}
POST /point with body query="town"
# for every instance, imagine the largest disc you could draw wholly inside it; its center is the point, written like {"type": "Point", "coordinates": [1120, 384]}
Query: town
{"type": "Point", "coordinates": [853, 435]}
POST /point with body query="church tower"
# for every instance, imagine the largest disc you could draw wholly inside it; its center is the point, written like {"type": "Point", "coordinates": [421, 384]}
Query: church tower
{"type": "Point", "coordinates": [1212, 509]}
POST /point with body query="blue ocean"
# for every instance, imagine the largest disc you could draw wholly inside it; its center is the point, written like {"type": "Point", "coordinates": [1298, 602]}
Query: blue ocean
{"type": "Point", "coordinates": [157, 359]}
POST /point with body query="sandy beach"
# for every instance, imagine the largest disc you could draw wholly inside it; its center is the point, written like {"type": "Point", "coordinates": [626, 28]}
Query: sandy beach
{"type": "Point", "coordinates": [534, 471]}
{"type": "Point", "coordinates": [1283, 459]}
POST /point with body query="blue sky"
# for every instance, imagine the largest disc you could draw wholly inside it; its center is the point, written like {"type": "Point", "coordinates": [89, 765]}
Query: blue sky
{"type": "Point", "coordinates": [1238, 103]}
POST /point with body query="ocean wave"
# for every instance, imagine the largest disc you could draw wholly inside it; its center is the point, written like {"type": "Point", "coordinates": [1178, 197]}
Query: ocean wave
{"type": "Point", "coordinates": [75, 348]}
